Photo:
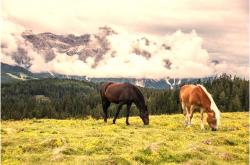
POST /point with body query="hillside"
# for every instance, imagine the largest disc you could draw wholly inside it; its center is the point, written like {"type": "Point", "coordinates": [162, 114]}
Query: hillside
{"type": "Point", "coordinates": [90, 141]}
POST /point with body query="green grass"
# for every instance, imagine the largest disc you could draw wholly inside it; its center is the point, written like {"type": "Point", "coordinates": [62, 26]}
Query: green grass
{"type": "Point", "coordinates": [90, 141]}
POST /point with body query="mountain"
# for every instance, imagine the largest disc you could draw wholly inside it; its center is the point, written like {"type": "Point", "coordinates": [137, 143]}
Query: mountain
{"type": "Point", "coordinates": [11, 73]}
{"type": "Point", "coordinates": [167, 83]}
{"type": "Point", "coordinates": [49, 45]}
{"type": "Point", "coordinates": [85, 47]}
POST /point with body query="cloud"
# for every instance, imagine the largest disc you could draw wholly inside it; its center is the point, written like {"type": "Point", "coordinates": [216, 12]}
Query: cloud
{"type": "Point", "coordinates": [185, 56]}
{"type": "Point", "coordinates": [239, 70]}
{"type": "Point", "coordinates": [197, 32]}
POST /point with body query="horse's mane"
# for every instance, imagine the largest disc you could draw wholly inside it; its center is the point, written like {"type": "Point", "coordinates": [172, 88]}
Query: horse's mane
{"type": "Point", "coordinates": [213, 106]}
{"type": "Point", "coordinates": [139, 93]}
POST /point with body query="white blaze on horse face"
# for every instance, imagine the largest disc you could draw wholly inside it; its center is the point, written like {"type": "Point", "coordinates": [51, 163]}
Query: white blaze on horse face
{"type": "Point", "coordinates": [213, 106]}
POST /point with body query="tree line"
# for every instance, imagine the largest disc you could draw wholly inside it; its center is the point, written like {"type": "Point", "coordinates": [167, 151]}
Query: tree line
{"type": "Point", "coordinates": [54, 98]}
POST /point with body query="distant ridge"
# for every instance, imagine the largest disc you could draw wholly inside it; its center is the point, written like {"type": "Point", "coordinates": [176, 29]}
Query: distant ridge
{"type": "Point", "coordinates": [10, 73]}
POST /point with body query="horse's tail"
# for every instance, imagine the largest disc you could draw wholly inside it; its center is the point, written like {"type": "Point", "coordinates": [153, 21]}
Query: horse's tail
{"type": "Point", "coordinates": [182, 88]}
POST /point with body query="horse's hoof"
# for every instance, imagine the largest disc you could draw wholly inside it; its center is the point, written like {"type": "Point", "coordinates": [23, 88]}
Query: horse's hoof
{"type": "Point", "coordinates": [213, 129]}
{"type": "Point", "coordinates": [127, 123]}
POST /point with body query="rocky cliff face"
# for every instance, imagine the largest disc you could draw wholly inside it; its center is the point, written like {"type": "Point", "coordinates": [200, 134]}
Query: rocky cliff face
{"type": "Point", "coordinates": [84, 46]}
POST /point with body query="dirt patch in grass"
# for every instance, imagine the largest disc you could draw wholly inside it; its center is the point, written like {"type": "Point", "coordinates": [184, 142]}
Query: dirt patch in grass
{"type": "Point", "coordinates": [54, 142]}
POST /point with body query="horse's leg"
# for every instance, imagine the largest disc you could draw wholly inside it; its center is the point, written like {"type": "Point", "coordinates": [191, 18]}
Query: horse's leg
{"type": "Point", "coordinates": [184, 112]}
{"type": "Point", "coordinates": [202, 118]}
{"type": "Point", "coordinates": [183, 108]}
{"type": "Point", "coordinates": [117, 112]}
{"type": "Point", "coordinates": [192, 108]}
{"type": "Point", "coordinates": [127, 114]}
{"type": "Point", "coordinates": [187, 116]}
{"type": "Point", "coordinates": [105, 105]}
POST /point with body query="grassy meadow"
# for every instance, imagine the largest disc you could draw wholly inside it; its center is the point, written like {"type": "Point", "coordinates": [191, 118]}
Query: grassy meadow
{"type": "Point", "coordinates": [90, 141]}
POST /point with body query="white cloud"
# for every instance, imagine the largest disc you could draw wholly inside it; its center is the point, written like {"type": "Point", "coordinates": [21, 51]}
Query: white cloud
{"type": "Point", "coordinates": [186, 55]}
{"type": "Point", "coordinates": [239, 70]}
{"type": "Point", "coordinates": [219, 33]}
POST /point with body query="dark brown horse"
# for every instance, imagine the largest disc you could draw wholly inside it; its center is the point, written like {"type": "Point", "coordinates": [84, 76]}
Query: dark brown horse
{"type": "Point", "coordinates": [121, 94]}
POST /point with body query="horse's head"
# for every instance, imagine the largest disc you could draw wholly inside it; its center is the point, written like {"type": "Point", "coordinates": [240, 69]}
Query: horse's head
{"type": "Point", "coordinates": [212, 121]}
{"type": "Point", "coordinates": [144, 115]}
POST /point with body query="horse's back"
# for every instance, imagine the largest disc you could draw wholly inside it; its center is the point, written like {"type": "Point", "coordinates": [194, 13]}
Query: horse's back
{"type": "Point", "coordinates": [185, 92]}
{"type": "Point", "coordinates": [117, 87]}
{"type": "Point", "coordinates": [119, 92]}
{"type": "Point", "coordinates": [191, 95]}
{"type": "Point", "coordinates": [199, 97]}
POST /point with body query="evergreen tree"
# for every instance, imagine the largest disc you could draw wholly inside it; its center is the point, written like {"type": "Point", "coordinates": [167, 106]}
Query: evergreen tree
{"type": "Point", "coordinates": [236, 105]}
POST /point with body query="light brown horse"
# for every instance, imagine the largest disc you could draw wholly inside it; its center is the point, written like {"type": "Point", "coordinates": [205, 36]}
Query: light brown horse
{"type": "Point", "coordinates": [121, 94]}
{"type": "Point", "coordinates": [197, 97]}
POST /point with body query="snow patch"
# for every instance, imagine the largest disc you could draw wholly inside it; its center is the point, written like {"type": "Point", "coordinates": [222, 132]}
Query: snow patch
{"type": "Point", "coordinates": [140, 83]}
{"type": "Point", "coordinates": [16, 77]}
